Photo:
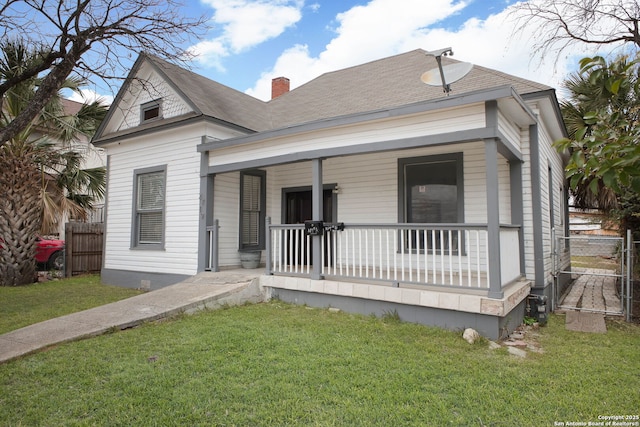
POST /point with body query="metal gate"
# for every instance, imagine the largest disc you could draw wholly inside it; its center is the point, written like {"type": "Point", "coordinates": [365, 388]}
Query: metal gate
{"type": "Point", "coordinates": [632, 270]}
{"type": "Point", "coordinates": [592, 273]}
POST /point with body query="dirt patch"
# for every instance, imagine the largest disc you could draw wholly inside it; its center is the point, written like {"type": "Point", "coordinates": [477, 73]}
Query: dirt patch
{"type": "Point", "coordinates": [45, 276]}
{"type": "Point", "coordinates": [524, 340]}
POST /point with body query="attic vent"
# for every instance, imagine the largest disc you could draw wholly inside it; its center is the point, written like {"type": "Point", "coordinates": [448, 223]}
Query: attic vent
{"type": "Point", "coordinates": [150, 111]}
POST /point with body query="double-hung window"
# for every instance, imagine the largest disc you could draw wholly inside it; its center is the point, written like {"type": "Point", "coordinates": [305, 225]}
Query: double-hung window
{"type": "Point", "coordinates": [252, 210]}
{"type": "Point", "coordinates": [431, 192]}
{"type": "Point", "coordinates": [149, 208]}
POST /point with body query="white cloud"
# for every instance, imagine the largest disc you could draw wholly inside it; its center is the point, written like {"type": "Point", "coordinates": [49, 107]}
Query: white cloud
{"type": "Point", "coordinates": [244, 24]}
{"type": "Point", "coordinates": [387, 27]}
{"type": "Point", "coordinates": [363, 33]}
{"type": "Point", "coordinates": [88, 96]}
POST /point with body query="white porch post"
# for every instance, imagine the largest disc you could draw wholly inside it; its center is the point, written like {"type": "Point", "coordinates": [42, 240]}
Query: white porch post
{"type": "Point", "coordinates": [317, 215]}
{"type": "Point", "coordinates": [493, 217]}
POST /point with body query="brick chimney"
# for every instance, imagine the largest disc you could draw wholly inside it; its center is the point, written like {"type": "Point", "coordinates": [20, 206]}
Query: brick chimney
{"type": "Point", "coordinates": [279, 86]}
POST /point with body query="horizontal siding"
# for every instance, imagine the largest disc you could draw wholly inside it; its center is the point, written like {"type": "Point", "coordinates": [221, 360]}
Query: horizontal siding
{"type": "Point", "coordinates": [226, 209]}
{"type": "Point", "coordinates": [527, 201]}
{"type": "Point", "coordinates": [181, 206]}
{"type": "Point", "coordinates": [549, 157]}
{"type": "Point", "coordinates": [431, 123]}
{"type": "Point", "coordinates": [552, 204]}
{"type": "Point", "coordinates": [510, 130]}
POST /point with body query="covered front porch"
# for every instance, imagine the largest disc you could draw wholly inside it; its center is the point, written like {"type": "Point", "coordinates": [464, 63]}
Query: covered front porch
{"type": "Point", "coordinates": [384, 238]}
{"type": "Point", "coordinates": [432, 223]}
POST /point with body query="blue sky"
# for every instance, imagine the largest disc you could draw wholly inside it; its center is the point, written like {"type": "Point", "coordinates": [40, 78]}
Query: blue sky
{"type": "Point", "coordinates": [253, 41]}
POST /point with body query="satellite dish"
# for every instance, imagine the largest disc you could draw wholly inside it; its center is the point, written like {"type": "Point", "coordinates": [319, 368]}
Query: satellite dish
{"type": "Point", "coordinates": [444, 76]}
{"type": "Point", "coordinates": [452, 73]}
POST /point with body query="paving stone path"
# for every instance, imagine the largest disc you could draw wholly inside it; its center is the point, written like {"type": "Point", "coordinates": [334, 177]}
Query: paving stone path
{"type": "Point", "coordinates": [593, 290]}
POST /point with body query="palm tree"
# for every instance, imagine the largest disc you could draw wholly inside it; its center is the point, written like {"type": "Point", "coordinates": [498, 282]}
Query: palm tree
{"type": "Point", "coordinates": [602, 116]}
{"type": "Point", "coordinates": [588, 93]}
{"type": "Point", "coordinates": [39, 179]}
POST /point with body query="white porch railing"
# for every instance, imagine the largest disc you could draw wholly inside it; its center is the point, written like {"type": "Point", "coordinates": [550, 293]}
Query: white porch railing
{"type": "Point", "coordinates": [433, 254]}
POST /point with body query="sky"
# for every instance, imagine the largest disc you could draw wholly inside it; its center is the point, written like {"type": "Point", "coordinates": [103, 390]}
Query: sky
{"type": "Point", "coordinates": [253, 41]}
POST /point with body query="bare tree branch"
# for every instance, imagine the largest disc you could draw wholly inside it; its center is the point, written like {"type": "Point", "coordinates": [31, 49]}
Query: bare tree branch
{"type": "Point", "coordinates": [562, 24]}
{"type": "Point", "coordinates": [90, 40]}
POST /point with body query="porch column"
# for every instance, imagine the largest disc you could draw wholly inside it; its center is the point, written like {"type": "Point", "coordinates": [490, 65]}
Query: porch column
{"type": "Point", "coordinates": [493, 217]}
{"type": "Point", "coordinates": [536, 210]}
{"type": "Point", "coordinates": [517, 204]}
{"type": "Point", "coordinates": [205, 216]}
{"type": "Point", "coordinates": [317, 215]}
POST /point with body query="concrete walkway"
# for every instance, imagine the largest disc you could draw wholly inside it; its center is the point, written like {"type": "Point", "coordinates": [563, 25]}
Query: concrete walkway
{"type": "Point", "coordinates": [206, 290]}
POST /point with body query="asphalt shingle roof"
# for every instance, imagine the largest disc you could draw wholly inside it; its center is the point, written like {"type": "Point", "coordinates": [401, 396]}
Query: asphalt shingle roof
{"type": "Point", "coordinates": [217, 100]}
{"type": "Point", "coordinates": [385, 83]}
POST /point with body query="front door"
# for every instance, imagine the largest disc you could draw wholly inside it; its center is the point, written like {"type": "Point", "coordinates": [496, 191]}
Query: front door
{"type": "Point", "coordinates": [298, 208]}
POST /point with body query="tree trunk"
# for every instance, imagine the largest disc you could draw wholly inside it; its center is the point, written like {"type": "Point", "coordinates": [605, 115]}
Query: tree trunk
{"type": "Point", "coordinates": [20, 216]}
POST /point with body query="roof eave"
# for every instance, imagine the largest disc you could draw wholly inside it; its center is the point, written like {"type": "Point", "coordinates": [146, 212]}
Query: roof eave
{"type": "Point", "coordinates": [123, 89]}
{"type": "Point", "coordinates": [164, 125]}
{"type": "Point", "coordinates": [482, 95]}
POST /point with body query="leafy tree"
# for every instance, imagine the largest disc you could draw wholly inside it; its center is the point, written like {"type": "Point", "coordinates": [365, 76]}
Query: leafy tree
{"type": "Point", "coordinates": [602, 116]}
{"type": "Point", "coordinates": [87, 38]}
{"type": "Point", "coordinates": [34, 168]}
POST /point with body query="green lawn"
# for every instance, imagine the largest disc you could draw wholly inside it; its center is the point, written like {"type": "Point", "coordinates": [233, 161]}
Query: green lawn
{"type": "Point", "coordinates": [25, 305]}
{"type": "Point", "coordinates": [595, 262]}
{"type": "Point", "coordinates": [278, 364]}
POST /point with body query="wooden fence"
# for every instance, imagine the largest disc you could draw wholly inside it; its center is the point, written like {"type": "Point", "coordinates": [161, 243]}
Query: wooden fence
{"type": "Point", "coordinates": [83, 248]}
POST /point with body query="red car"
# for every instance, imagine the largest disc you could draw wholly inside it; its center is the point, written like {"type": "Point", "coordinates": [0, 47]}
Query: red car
{"type": "Point", "coordinates": [49, 253]}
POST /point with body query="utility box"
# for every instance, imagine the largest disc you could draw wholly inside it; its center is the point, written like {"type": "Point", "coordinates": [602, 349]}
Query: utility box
{"type": "Point", "coordinates": [538, 308]}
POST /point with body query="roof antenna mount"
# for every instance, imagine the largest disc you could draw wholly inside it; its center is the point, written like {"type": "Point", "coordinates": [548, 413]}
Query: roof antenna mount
{"type": "Point", "coordinates": [454, 72]}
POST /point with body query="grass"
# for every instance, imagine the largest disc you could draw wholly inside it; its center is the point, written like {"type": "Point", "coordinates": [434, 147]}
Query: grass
{"type": "Point", "coordinates": [595, 262]}
{"type": "Point", "coordinates": [25, 305]}
{"type": "Point", "coordinates": [278, 364]}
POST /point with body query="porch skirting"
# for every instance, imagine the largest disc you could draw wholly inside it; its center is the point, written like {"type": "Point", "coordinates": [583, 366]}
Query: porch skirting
{"type": "Point", "coordinates": [493, 318]}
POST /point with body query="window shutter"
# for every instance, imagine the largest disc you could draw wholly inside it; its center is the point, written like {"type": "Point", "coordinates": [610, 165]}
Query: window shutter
{"type": "Point", "coordinates": [251, 208]}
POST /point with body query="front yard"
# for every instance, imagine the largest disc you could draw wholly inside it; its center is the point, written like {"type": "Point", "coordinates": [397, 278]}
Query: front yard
{"type": "Point", "coordinates": [25, 305]}
{"type": "Point", "coordinates": [278, 364]}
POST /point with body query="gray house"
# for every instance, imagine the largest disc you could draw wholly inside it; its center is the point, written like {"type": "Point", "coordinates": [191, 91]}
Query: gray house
{"type": "Point", "coordinates": [363, 189]}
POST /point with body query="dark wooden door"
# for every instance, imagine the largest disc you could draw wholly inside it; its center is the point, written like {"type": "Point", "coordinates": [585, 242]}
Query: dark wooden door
{"type": "Point", "coordinates": [299, 208]}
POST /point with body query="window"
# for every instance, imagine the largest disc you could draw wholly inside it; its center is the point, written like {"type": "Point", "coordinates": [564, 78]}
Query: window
{"type": "Point", "coordinates": [148, 208]}
{"type": "Point", "coordinates": [431, 192]}
{"type": "Point", "coordinates": [252, 210]}
{"type": "Point", "coordinates": [150, 110]}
